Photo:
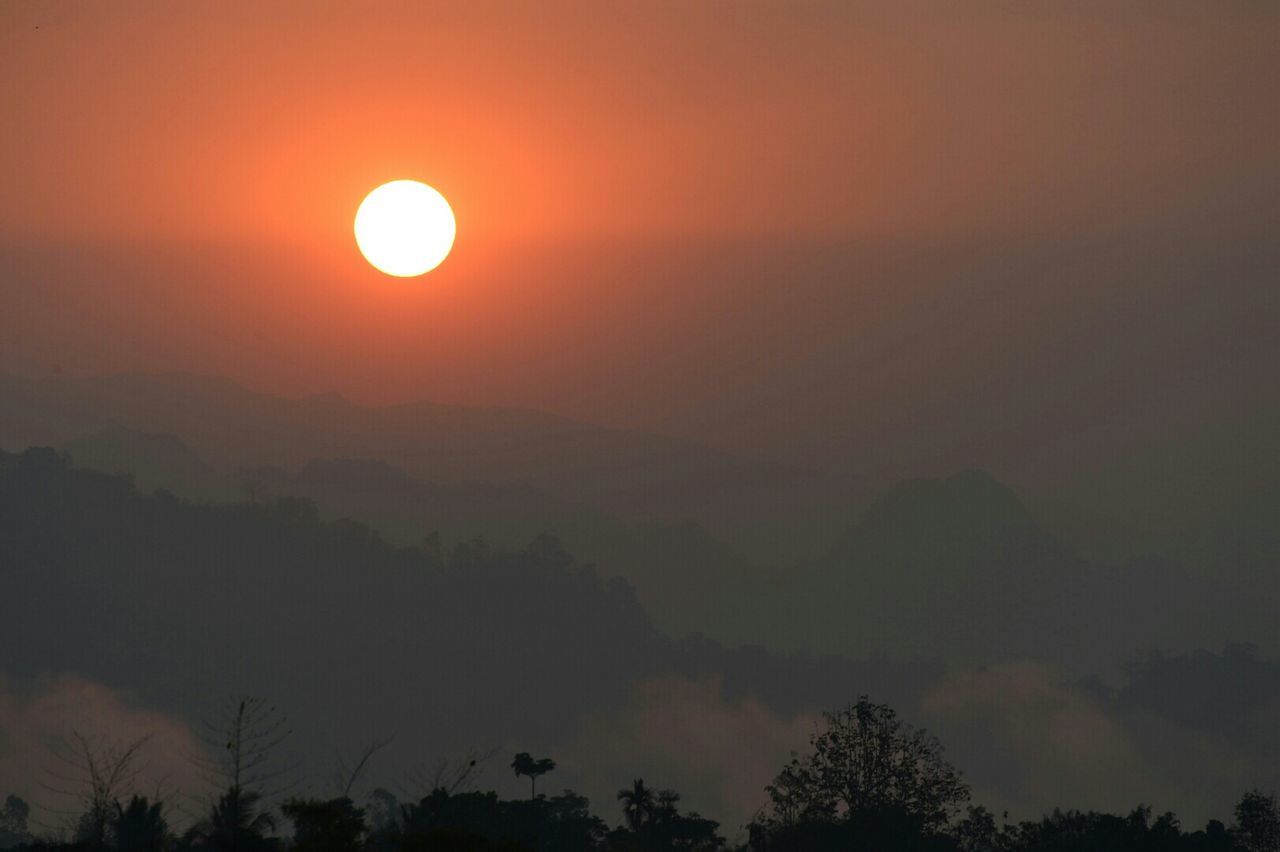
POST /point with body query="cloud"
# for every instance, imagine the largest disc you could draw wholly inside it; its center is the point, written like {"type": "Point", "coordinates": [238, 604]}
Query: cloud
{"type": "Point", "coordinates": [1020, 728]}
{"type": "Point", "coordinates": [681, 733]}
{"type": "Point", "coordinates": [1027, 736]}
{"type": "Point", "coordinates": [36, 718]}
{"type": "Point", "coordinates": [1029, 740]}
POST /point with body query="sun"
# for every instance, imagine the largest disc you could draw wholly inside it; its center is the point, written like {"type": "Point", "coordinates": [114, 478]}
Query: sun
{"type": "Point", "coordinates": [405, 228]}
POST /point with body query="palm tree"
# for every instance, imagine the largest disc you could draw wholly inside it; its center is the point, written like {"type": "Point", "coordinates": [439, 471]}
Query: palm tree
{"type": "Point", "coordinates": [234, 826]}
{"type": "Point", "coordinates": [667, 802]}
{"type": "Point", "coordinates": [141, 826]}
{"type": "Point", "coordinates": [637, 804]}
{"type": "Point", "coordinates": [524, 764]}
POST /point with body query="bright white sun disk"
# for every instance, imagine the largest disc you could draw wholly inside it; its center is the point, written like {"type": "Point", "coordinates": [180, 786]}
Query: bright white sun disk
{"type": "Point", "coordinates": [405, 228]}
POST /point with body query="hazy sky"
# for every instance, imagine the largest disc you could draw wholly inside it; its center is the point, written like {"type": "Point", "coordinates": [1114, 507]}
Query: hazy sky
{"type": "Point", "coordinates": [785, 228]}
{"type": "Point", "coordinates": [253, 121]}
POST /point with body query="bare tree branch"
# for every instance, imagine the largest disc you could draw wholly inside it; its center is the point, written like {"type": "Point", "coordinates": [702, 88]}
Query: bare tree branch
{"type": "Point", "coordinates": [243, 747]}
{"type": "Point", "coordinates": [450, 775]}
{"type": "Point", "coordinates": [350, 774]}
{"type": "Point", "coordinates": [95, 774]}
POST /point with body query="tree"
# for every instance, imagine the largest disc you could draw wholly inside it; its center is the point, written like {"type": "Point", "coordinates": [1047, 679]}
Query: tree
{"type": "Point", "coordinates": [637, 804]}
{"type": "Point", "coordinates": [466, 818]}
{"type": "Point", "coordinates": [1258, 822]}
{"type": "Point", "coordinates": [524, 764]}
{"type": "Point", "coordinates": [348, 772]}
{"type": "Point", "coordinates": [868, 768]}
{"type": "Point", "coordinates": [978, 832]}
{"type": "Point", "coordinates": [668, 802]}
{"type": "Point", "coordinates": [244, 745]}
{"type": "Point", "coordinates": [13, 822]}
{"type": "Point", "coordinates": [567, 824]}
{"type": "Point", "coordinates": [140, 826]}
{"type": "Point", "coordinates": [95, 773]}
{"type": "Point", "coordinates": [383, 811]}
{"type": "Point", "coordinates": [251, 483]}
{"type": "Point", "coordinates": [654, 822]}
{"type": "Point", "coordinates": [236, 824]}
{"type": "Point", "coordinates": [692, 831]}
{"type": "Point", "coordinates": [667, 828]}
{"type": "Point", "coordinates": [451, 774]}
{"type": "Point", "coordinates": [335, 825]}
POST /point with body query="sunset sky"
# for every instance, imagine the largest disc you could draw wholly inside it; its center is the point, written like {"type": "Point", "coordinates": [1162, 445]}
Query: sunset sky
{"type": "Point", "coordinates": [767, 227]}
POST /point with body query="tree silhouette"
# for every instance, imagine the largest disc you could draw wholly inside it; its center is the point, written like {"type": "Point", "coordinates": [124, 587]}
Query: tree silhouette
{"type": "Point", "coordinates": [654, 822]}
{"type": "Point", "coordinates": [637, 804]}
{"type": "Point", "coordinates": [977, 832]}
{"type": "Point", "coordinates": [244, 743]}
{"type": "Point", "coordinates": [335, 825]}
{"type": "Point", "coordinates": [451, 774]}
{"type": "Point", "coordinates": [95, 772]}
{"type": "Point", "coordinates": [140, 826]}
{"type": "Point", "coordinates": [13, 822]}
{"type": "Point", "coordinates": [1258, 822]}
{"type": "Point", "coordinates": [871, 771]}
{"type": "Point", "coordinates": [348, 772]}
{"type": "Point", "coordinates": [236, 824]}
{"type": "Point", "coordinates": [524, 764]}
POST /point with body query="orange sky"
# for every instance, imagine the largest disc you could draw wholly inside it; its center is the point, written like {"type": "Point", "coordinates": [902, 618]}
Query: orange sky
{"type": "Point", "coordinates": [269, 122]}
{"type": "Point", "coordinates": [689, 216]}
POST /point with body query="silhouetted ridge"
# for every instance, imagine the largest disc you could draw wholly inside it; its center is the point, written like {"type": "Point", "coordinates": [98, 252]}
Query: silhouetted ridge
{"type": "Point", "coordinates": [969, 508]}
{"type": "Point", "coordinates": [231, 427]}
{"type": "Point", "coordinates": [356, 475]}
{"type": "Point", "coordinates": [206, 589]}
{"type": "Point", "coordinates": [154, 460]}
{"type": "Point", "coordinates": [160, 595]}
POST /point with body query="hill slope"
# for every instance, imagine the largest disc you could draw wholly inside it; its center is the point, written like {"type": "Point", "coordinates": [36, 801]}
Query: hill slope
{"type": "Point", "coordinates": [959, 568]}
{"type": "Point", "coordinates": [776, 510]}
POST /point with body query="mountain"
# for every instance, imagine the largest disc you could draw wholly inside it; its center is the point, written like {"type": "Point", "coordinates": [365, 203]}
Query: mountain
{"type": "Point", "coordinates": [777, 510]}
{"type": "Point", "coordinates": [160, 594]}
{"type": "Point", "coordinates": [958, 567]}
{"type": "Point", "coordinates": [179, 603]}
{"type": "Point", "coordinates": [675, 567]}
{"type": "Point", "coordinates": [154, 461]}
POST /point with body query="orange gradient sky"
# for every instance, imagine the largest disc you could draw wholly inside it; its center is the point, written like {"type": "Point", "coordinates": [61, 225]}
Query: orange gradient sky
{"type": "Point", "coordinates": [254, 121]}
{"type": "Point", "coordinates": [772, 226]}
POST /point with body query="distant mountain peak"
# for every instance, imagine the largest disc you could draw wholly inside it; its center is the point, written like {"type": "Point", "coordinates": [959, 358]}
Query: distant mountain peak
{"type": "Point", "coordinates": [968, 506]}
{"type": "Point", "coordinates": [155, 459]}
{"type": "Point", "coordinates": [967, 493]}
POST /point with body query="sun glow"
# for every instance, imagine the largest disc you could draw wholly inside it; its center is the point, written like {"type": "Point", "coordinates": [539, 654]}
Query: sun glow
{"type": "Point", "coordinates": [405, 228]}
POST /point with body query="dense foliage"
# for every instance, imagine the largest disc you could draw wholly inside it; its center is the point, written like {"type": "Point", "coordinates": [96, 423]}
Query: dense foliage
{"type": "Point", "coordinates": [870, 783]}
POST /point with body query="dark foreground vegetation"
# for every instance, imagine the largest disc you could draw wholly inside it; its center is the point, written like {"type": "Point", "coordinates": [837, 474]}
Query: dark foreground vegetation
{"type": "Point", "coordinates": [868, 782]}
